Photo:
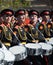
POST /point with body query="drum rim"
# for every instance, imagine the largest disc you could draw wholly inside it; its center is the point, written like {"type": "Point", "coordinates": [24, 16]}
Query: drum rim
{"type": "Point", "coordinates": [10, 49]}
{"type": "Point", "coordinates": [46, 48]}
{"type": "Point", "coordinates": [3, 54]}
{"type": "Point", "coordinates": [33, 44]}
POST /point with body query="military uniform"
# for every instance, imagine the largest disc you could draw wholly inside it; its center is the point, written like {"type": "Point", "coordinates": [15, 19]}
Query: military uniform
{"type": "Point", "coordinates": [7, 39]}
{"type": "Point", "coordinates": [47, 21]}
{"type": "Point", "coordinates": [33, 14]}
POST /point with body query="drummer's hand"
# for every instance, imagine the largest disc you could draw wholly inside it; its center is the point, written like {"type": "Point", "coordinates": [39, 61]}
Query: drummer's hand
{"type": "Point", "coordinates": [35, 41]}
{"type": "Point", "coordinates": [23, 43]}
{"type": "Point", "coordinates": [47, 39]}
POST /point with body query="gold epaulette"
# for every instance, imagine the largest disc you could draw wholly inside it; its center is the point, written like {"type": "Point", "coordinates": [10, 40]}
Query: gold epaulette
{"type": "Point", "coordinates": [47, 39]}
{"type": "Point", "coordinates": [35, 41]}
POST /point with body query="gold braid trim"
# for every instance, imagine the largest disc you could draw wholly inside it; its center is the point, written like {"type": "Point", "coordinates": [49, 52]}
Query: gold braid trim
{"type": "Point", "coordinates": [22, 37]}
{"type": "Point", "coordinates": [7, 33]}
{"type": "Point", "coordinates": [36, 32]}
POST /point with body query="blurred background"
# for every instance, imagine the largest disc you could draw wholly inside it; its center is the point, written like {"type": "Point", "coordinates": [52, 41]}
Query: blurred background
{"type": "Point", "coordinates": [28, 4]}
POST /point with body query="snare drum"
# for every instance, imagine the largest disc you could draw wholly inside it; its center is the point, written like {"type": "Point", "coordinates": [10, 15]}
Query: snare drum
{"type": "Point", "coordinates": [2, 58]}
{"type": "Point", "coordinates": [20, 55]}
{"type": "Point", "coordinates": [46, 52]}
{"type": "Point", "coordinates": [19, 52]}
{"type": "Point", "coordinates": [9, 58]}
{"type": "Point", "coordinates": [34, 53]}
{"type": "Point", "coordinates": [46, 49]}
{"type": "Point", "coordinates": [33, 49]}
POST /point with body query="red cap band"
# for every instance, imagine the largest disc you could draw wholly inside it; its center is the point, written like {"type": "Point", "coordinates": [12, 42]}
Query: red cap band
{"type": "Point", "coordinates": [10, 13]}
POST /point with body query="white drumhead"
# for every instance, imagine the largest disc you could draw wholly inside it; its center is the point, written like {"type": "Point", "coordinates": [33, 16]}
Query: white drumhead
{"type": "Point", "coordinates": [45, 46]}
{"type": "Point", "coordinates": [8, 56]}
{"type": "Point", "coordinates": [31, 45]}
{"type": "Point", "coordinates": [17, 49]}
{"type": "Point", "coordinates": [2, 55]}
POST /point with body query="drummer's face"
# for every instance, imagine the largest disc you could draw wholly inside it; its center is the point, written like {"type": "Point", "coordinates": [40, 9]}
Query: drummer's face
{"type": "Point", "coordinates": [9, 18]}
{"type": "Point", "coordinates": [33, 18]}
{"type": "Point", "coordinates": [6, 18]}
{"type": "Point", "coordinates": [22, 17]}
{"type": "Point", "coordinates": [47, 17]}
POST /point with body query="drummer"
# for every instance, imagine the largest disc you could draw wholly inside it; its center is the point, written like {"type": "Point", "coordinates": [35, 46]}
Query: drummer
{"type": "Point", "coordinates": [34, 15]}
{"type": "Point", "coordinates": [6, 19]}
{"type": "Point", "coordinates": [47, 23]}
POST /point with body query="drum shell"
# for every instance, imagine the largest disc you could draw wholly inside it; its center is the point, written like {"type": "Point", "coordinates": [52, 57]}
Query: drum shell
{"type": "Point", "coordinates": [21, 56]}
{"type": "Point", "coordinates": [51, 43]}
{"type": "Point", "coordinates": [52, 47]}
{"type": "Point", "coordinates": [46, 49]}
{"type": "Point", "coordinates": [46, 52]}
{"type": "Point", "coordinates": [1, 62]}
{"type": "Point", "coordinates": [31, 51]}
{"type": "Point", "coordinates": [8, 63]}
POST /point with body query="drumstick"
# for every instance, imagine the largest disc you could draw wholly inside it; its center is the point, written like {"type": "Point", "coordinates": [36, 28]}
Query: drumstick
{"type": "Point", "coordinates": [41, 34]}
{"type": "Point", "coordinates": [15, 35]}
{"type": "Point", "coordinates": [30, 35]}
